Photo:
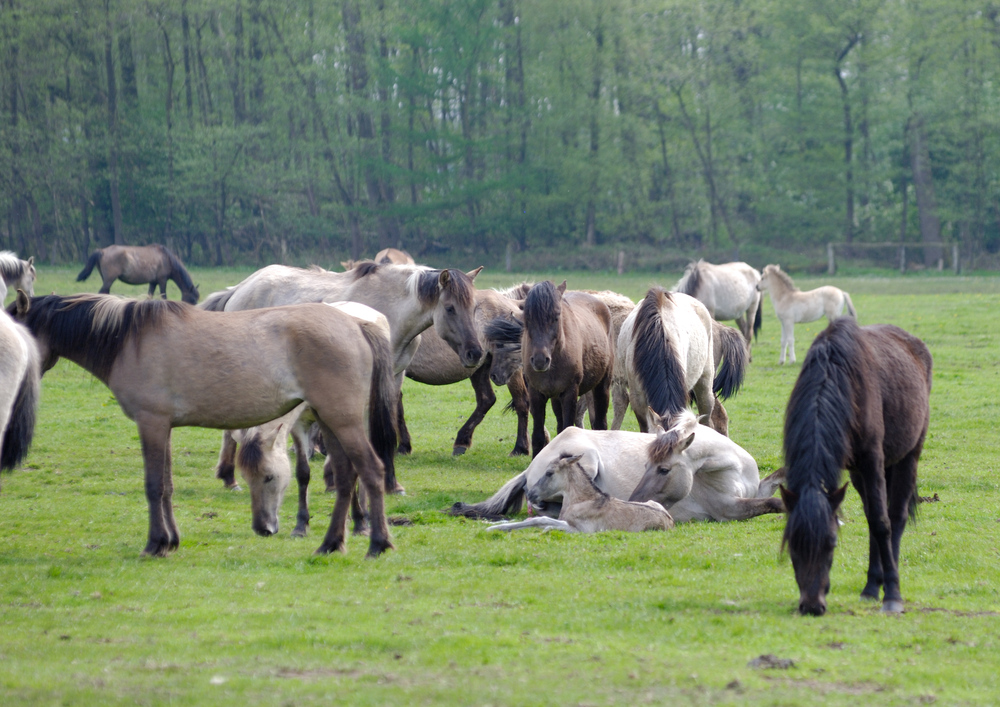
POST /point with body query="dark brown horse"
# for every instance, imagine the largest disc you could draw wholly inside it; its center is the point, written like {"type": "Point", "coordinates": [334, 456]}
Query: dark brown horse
{"type": "Point", "coordinates": [139, 264]}
{"type": "Point", "coordinates": [860, 402]}
{"type": "Point", "coordinates": [172, 365]}
{"type": "Point", "coordinates": [566, 351]}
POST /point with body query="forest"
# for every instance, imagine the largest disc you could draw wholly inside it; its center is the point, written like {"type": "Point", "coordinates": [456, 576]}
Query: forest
{"type": "Point", "coordinates": [255, 131]}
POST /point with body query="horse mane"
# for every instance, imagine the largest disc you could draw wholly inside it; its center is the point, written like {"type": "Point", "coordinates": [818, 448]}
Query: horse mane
{"type": "Point", "coordinates": [691, 280]}
{"type": "Point", "coordinates": [251, 452]}
{"type": "Point", "coordinates": [363, 268]}
{"type": "Point", "coordinates": [655, 361]}
{"type": "Point", "coordinates": [504, 330]}
{"type": "Point", "coordinates": [178, 271]}
{"type": "Point", "coordinates": [11, 267]}
{"type": "Point", "coordinates": [517, 292]}
{"type": "Point", "coordinates": [603, 495]}
{"type": "Point", "coordinates": [426, 281]}
{"type": "Point", "coordinates": [783, 277]}
{"type": "Point", "coordinates": [542, 304]}
{"type": "Point", "coordinates": [98, 327]}
{"type": "Point", "coordinates": [666, 442]}
{"type": "Point", "coordinates": [216, 302]}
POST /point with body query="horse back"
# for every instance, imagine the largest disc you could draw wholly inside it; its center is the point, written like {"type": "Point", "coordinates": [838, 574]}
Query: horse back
{"type": "Point", "coordinates": [589, 322]}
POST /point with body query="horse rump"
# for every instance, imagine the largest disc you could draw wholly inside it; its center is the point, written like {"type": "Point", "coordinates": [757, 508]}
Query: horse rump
{"type": "Point", "coordinates": [21, 426]}
{"type": "Point", "coordinates": [93, 260]}
{"type": "Point", "coordinates": [506, 501]}
{"type": "Point", "coordinates": [216, 302]}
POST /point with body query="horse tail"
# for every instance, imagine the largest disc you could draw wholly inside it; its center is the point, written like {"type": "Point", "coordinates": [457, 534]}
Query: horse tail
{"type": "Point", "coordinates": [735, 358]}
{"type": "Point", "coordinates": [382, 401]}
{"type": "Point", "coordinates": [504, 502]}
{"type": "Point", "coordinates": [216, 302]}
{"type": "Point", "coordinates": [821, 408]}
{"type": "Point", "coordinates": [759, 316]}
{"type": "Point", "coordinates": [654, 360]}
{"type": "Point", "coordinates": [94, 259]}
{"type": "Point", "coordinates": [850, 305]}
{"type": "Point", "coordinates": [21, 426]}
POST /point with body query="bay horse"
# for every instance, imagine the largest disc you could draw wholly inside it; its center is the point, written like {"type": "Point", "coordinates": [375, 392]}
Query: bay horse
{"type": "Point", "coordinates": [728, 291]}
{"type": "Point", "coordinates": [139, 264]}
{"type": "Point", "coordinates": [169, 365]}
{"type": "Point", "coordinates": [793, 306]}
{"type": "Point", "coordinates": [666, 351]}
{"type": "Point", "coordinates": [704, 477]}
{"type": "Point", "coordinates": [20, 371]}
{"type": "Point", "coordinates": [861, 401]}
{"type": "Point", "coordinates": [412, 297]}
{"type": "Point", "coordinates": [16, 274]}
{"type": "Point", "coordinates": [566, 351]}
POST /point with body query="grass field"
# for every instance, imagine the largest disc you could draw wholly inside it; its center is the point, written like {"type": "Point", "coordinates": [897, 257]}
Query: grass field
{"type": "Point", "coordinates": [457, 615]}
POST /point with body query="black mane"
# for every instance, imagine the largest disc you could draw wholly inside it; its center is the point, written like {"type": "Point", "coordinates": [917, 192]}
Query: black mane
{"type": "Point", "coordinates": [178, 272]}
{"type": "Point", "coordinates": [504, 330]}
{"type": "Point", "coordinates": [542, 305]}
{"type": "Point", "coordinates": [692, 279]}
{"type": "Point", "coordinates": [655, 361]}
{"type": "Point", "coordinates": [459, 286]}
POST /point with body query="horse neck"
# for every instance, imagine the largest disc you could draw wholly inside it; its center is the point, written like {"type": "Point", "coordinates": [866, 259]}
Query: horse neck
{"type": "Point", "coordinates": [778, 287]}
{"type": "Point", "coordinates": [408, 316]}
{"type": "Point", "coordinates": [580, 487]}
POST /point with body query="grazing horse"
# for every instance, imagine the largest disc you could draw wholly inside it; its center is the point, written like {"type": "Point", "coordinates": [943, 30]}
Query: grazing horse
{"type": "Point", "coordinates": [792, 306]}
{"type": "Point", "coordinates": [139, 264]}
{"type": "Point", "coordinates": [728, 291]}
{"type": "Point", "coordinates": [386, 256]}
{"type": "Point", "coordinates": [412, 298]}
{"type": "Point", "coordinates": [861, 402]}
{"type": "Point", "coordinates": [169, 365]}
{"type": "Point", "coordinates": [566, 351]}
{"type": "Point", "coordinates": [666, 350]}
{"type": "Point", "coordinates": [585, 507]}
{"type": "Point", "coordinates": [709, 477]}
{"type": "Point", "coordinates": [20, 372]}
{"type": "Point", "coordinates": [16, 274]}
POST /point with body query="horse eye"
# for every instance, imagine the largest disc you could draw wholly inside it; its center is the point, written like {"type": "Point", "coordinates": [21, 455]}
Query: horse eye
{"type": "Point", "coordinates": [449, 309]}
{"type": "Point", "coordinates": [663, 470]}
{"type": "Point", "coordinates": [549, 472]}
{"type": "Point", "coordinates": [268, 479]}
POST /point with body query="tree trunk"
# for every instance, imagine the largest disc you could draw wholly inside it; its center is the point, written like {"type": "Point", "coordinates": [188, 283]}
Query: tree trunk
{"type": "Point", "coordinates": [848, 139]}
{"type": "Point", "coordinates": [113, 145]}
{"type": "Point", "coordinates": [186, 33]}
{"type": "Point", "coordinates": [923, 185]}
{"type": "Point", "coordinates": [595, 134]}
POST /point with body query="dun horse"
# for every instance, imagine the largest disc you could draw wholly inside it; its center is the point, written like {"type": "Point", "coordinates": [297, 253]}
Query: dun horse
{"type": "Point", "coordinates": [585, 507]}
{"type": "Point", "coordinates": [16, 274]}
{"type": "Point", "coordinates": [137, 265]}
{"type": "Point", "coordinates": [172, 365]}
{"type": "Point", "coordinates": [861, 402]}
{"type": "Point", "coordinates": [728, 291]}
{"type": "Point", "coordinates": [792, 306]}
{"type": "Point", "coordinates": [19, 375]}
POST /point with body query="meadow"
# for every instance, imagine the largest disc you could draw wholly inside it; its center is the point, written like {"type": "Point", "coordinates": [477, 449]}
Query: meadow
{"type": "Point", "coordinates": [458, 615]}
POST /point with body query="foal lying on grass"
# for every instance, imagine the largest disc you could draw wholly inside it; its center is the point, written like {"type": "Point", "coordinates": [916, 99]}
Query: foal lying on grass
{"type": "Point", "coordinates": [585, 508]}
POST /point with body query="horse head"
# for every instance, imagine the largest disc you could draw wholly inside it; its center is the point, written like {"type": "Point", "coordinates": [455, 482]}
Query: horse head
{"type": "Point", "coordinates": [668, 477]}
{"type": "Point", "coordinates": [542, 324]}
{"type": "Point", "coordinates": [555, 481]}
{"type": "Point", "coordinates": [811, 538]}
{"type": "Point", "coordinates": [503, 338]}
{"type": "Point", "coordinates": [263, 462]}
{"type": "Point", "coordinates": [191, 296]}
{"type": "Point", "coordinates": [454, 315]}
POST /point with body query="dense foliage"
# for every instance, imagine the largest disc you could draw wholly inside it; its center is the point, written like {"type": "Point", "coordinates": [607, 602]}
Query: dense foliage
{"type": "Point", "coordinates": [257, 130]}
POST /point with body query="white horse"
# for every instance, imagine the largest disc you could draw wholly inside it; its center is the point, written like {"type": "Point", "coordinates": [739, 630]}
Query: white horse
{"type": "Point", "coordinates": [708, 477]}
{"type": "Point", "coordinates": [16, 274]}
{"type": "Point", "coordinates": [585, 508]}
{"type": "Point", "coordinates": [666, 350]}
{"type": "Point", "coordinates": [792, 306]}
{"type": "Point", "coordinates": [20, 372]}
{"type": "Point", "coordinates": [728, 291]}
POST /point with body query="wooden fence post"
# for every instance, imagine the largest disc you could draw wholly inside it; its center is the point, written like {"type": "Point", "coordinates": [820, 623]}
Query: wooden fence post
{"type": "Point", "coordinates": [508, 258]}
{"type": "Point", "coordinates": [831, 265]}
{"type": "Point", "coordinates": [902, 258]}
{"type": "Point", "coordinates": [621, 262]}
{"type": "Point", "coordinates": [954, 258]}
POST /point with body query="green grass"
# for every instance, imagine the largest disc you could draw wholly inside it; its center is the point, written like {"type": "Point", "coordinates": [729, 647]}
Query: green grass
{"type": "Point", "coordinates": [458, 615]}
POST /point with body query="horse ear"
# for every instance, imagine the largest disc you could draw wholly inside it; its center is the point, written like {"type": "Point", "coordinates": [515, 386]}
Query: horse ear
{"type": "Point", "coordinates": [562, 288]}
{"type": "Point", "coordinates": [657, 419]}
{"type": "Point", "coordinates": [704, 419]}
{"type": "Point", "coordinates": [789, 498]}
{"type": "Point", "coordinates": [686, 443]}
{"type": "Point", "coordinates": [572, 460]}
{"type": "Point", "coordinates": [22, 303]}
{"type": "Point", "coordinates": [472, 273]}
{"type": "Point", "coordinates": [267, 441]}
{"type": "Point", "coordinates": [837, 497]}
{"type": "Point", "coordinates": [444, 278]}
{"type": "Point", "coordinates": [347, 264]}
{"type": "Point", "coordinates": [31, 261]}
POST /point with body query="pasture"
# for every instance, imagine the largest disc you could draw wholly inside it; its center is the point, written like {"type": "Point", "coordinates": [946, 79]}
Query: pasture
{"type": "Point", "coordinates": [458, 615]}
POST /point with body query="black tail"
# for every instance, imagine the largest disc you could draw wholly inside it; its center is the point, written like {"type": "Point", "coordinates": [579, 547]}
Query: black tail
{"type": "Point", "coordinates": [382, 404]}
{"type": "Point", "coordinates": [216, 302]}
{"type": "Point", "coordinates": [21, 426]}
{"type": "Point", "coordinates": [654, 359]}
{"type": "Point", "coordinates": [506, 501]}
{"type": "Point", "coordinates": [94, 259]}
{"type": "Point", "coordinates": [735, 359]}
{"type": "Point", "coordinates": [759, 316]}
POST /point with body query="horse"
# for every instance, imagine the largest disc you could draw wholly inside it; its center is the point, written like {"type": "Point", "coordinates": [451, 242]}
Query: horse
{"type": "Point", "coordinates": [137, 265]}
{"type": "Point", "coordinates": [710, 478]}
{"type": "Point", "coordinates": [728, 291]}
{"type": "Point", "coordinates": [16, 274]}
{"type": "Point", "coordinates": [19, 382]}
{"type": "Point", "coordinates": [792, 306]}
{"type": "Point", "coordinates": [861, 401]}
{"type": "Point", "coordinates": [386, 256]}
{"type": "Point", "coordinates": [666, 350]}
{"type": "Point", "coordinates": [566, 350]}
{"type": "Point", "coordinates": [585, 507]}
{"type": "Point", "coordinates": [263, 451]}
{"type": "Point", "coordinates": [412, 297]}
{"type": "Point", "coordinates": [169, 365]}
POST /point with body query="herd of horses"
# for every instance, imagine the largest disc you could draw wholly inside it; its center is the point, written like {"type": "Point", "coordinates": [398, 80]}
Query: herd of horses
{"type": "Point", "coordinates": [290, 349]}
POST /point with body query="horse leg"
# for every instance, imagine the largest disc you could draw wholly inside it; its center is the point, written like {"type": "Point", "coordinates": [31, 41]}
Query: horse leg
{"type": "Point", "coordinates": [301, 441]}
{"type": "Point", "coordinates": [619, 398]}
{"type": "Point", "coordinates": [705, 398]}
{"type": "Point", "coordinates": [746, 508]}
{"type": "Point", "coordinates": [564, 407]}
{"type": "Point", "coordinates": [882, 570]}
{"type": "Point", "coordinates": [602, 399]}
{"type": "Point", "coordinates": [106, 285]}
{"type": "Point", "coordinates": [366, 465]}
{"type": "Point", "coordinates": [519, 402]}
{"type": "Point", "coordinates": [226, 468]}
{"type": "Point", "coordinates": [719, 421]}
{"type": "Point", "coordinates": [769, 484]}
{"type": "Point", "coordinates": [901, 478]}
{"type": "Point", "coordinates": [585, 402]}
{"type": "Point", "coordinates": [536, 403]}
{"type": "Point", "coordinates": [485, 399]}
{"type": "Point", "coordinates": [154, 434]}
{"type": "Point", "coordinates": [337, 459]}
{"type": "Point", "coordinates": [152, 289]}
{"type": "Point", "coordinates": [344, 480]}
{"type": "Point", "coordinates": [787, 340]}
{"type": "Point", "coordinates": [404, 434]}
{"type": "Point", "coordinates": [163, 288]}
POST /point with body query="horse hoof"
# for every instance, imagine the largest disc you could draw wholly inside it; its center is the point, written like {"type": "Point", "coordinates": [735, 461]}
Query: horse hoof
{"type": "Point", "coordinates": [329, 548]}
{"type": "Point", "coordinates": [361, 531]}
{"type": "Point", "coordinates": [330, 488]}
{"type": "Point", "coordinates": [299, 532]}
{"type": "Point", "coordinates": [458, 451]}
{"type": "Point", "coordinates": [377, 548]}
{"type": "Point", "coordinates": [404, 449]}
{"type": "Point", "coordinates": [233, 487]}
{"type": "Point", "coordinates": [519, 452]}
{"type": "Point", "coordinates": [396, 490]}
{"type": "Point", "coordinates": [892, 606]}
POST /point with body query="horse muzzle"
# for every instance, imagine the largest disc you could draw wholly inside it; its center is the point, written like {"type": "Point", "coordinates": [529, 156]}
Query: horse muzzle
{"type": "Point", "coordinates": [541, 363]}
{"type": "Point", "coordinates": [472, 357]}
{"type": "Point", "coordinates": [815, 606]}
{"type": "Point", "coordinates": [266, 528]}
